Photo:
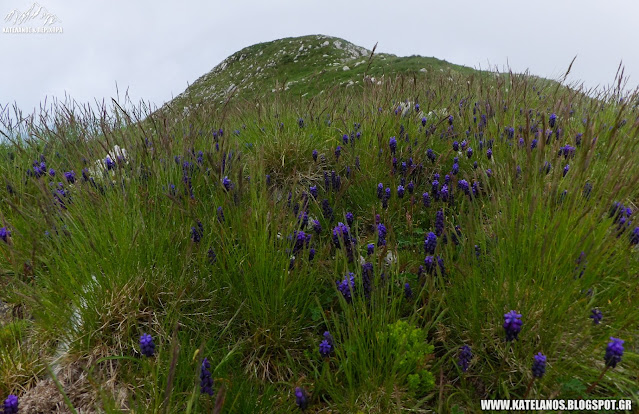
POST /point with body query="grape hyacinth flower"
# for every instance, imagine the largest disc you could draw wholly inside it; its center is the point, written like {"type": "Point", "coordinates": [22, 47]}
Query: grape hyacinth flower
{"type": "Point", "coordinates": [426, 200]}
{"type": "Point", "coordinates": [313, 190]}
{"type": "Point", "coordinates": [566, 169]}
{"type": "Point", "coordinates": [410, 187]}
{"type": "Point", "coordinates": [400, 191]}
{"type": "Point", "coordinates": [301, 398]}
{"type": "Point", "coordinates": [311, 254]}
{"type": "Point", "coordinates": [408, 292]}
{"type": "Point", "coordinates": [51, 172]}
{"type": "Point", "coordinates": [326, 346]}
{"type": "Point", "coordinates": [350, 218]}
{"type": "Point", "coordinates": [512, 325]}
{"type": "Point", "coordinates": [455, 146]}
{"type": "Point", "coordinates": [147, 347]}
{"type": "Point", "coordinates": [338, 151]}
{"type": "Point", "coordinates": [634, 237]}
{"type": "Point", "coordinates": [346, 287]}
{"type": "Point", "coordinates": [552, 120]}
{"type": "Point", "coordinates": [431, 155]}
{"type": "Point", "coordinates": [429, 264]}
{"type": "Point", "coordinates": [109, 163]}
{"type": "Point", "coordinates": [345, 139]}
{"type": "Point", "coordinates": [614, 352]}
{"type": "Point", "coordinates": [317, 227]}
{"type": "Point", "coordinates": [370, 248]}
{"type": "Point", "coordinates": [469, 152]}
{"type": "Point", "coordinates": [596, 316]}
{"type": "Point", "coordinates": [206, 380]}
{"type": "Point", "coordinates": [380, 191]}
{"type": "Point", "coordinates": [381, 235]}
{"type": "Point", "coordinates": [315, 155]}
{"type": "Point", "coordinates": [11, 405]}
{"type": "Point", "coordinates": [464, 186]}
{"type": "Point", "coordinates": [439, 222]}
{"type": "Point", "coordinates": [392, 143]}
{"type": "Point", "coordinates": [430, 243]}
{"type": "Point", "coordinates": [489, 153]}
{"type": "Point", "coordinates": [465, 355]}
{"type": "Point", "coordinates": [227, 183]}
{"type": "Point", "coordinates": [4, 234]}
{"type": "Point", "coordinates": [423, 121]}
{"type": "Point", "coordinates": [539, 365]}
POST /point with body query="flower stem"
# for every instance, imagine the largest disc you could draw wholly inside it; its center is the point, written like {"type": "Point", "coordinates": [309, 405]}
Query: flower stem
{"type": "Point", "coordinates": [594, 384]}
{"type": "Point", "coordinates": [529, 387]}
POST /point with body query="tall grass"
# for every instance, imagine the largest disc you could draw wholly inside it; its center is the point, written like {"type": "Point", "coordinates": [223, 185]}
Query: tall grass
{"type": "Point", "coordinates": [155, 240]}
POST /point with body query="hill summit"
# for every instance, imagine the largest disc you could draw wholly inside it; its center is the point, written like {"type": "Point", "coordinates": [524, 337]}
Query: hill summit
{"type": "Point", "coordinates": [300, 66]}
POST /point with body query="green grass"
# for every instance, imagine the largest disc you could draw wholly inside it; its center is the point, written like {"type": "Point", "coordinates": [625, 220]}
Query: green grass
{"type": "Point", "coordinates": [113, 257]}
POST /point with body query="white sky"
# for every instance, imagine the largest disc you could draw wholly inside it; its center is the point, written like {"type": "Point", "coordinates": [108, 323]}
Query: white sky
{"type": "Point", "coordinates": [154, 48]}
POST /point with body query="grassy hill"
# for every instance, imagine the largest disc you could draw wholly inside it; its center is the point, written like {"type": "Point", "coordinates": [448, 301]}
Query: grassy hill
{"type": "Point", "coordinates": [409, 243]}
{"type": "Point", "coordinates": [300, 66]}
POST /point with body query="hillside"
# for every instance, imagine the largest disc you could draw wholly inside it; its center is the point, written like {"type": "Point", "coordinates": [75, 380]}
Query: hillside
{"type": "Point", "coordinates": [300, 66]}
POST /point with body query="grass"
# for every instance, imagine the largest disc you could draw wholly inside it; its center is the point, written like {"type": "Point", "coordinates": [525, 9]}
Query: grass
{"type": "Point", "coordinates": [142, 247]}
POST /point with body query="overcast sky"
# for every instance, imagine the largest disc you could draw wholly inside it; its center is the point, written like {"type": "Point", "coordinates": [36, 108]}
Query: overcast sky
{"type": "Point", "coordinates": [155, 48]}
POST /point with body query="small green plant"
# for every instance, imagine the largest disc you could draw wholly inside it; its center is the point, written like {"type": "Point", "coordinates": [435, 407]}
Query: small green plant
{"type": "Point", "coordinates": [412, 354]}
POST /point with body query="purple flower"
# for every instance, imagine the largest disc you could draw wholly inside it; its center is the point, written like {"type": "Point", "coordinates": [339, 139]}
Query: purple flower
{"type": "Point", "coordinates": [426, 199]}
{"type": "Point", "coordinates": [469, 152]}
{"type": "Point", "coordinates": [346, 287]}
{"type": "Point", "coordinates": [408, 292]}
{"type": "Point", "coordinates": [512, 325]}
{"type": "Point", "coordinates": [4, 234]}
{"type": "Point", "coordinates": [539, 365]}
{"type": "Point", "coordinates": [314, 155]}
{"type": "Point", "coordinates": [465, 355]}
{"type": "Point", "coordinates": [464, 186]}
{"type": "Point", "coordinates": [381, 235]}
{"type": "Point", "coordinates": [317, 227]}
{"type": "Point", "coordinates": [311, 254]}
{"type": "Point", "coordinates": [147, 347]}
{"type": "Point", "coordinates": [596, 316]}
{"type": "Point", "coordinates": [301, 398]}
{"type": "Point", "coordinates": [380, 190]}
{"type": "Point", "coordinates": [350, 218]}
{"type": "Point", "coordinates": [429, 264]}
{"type": "Point", "coordinates": [338, 151]}
{"type": "Point", "coordinates": [370, 248]}
{"type": "Point", "coordinates": [552, 120]}
{"type": "Point", "coordinates": [614, 352]}
{"type": "Point", "coordinates": [227, 183]}
{"type": "Point", "coordinates": [430, 243]}
{"type": "Point", "coordinates": [424, 121]}
{"type": "Point", "coordinates": [392, 143]}
{"type": "Point", "coordinates": [533, 144]}
{"type": "Point", "coordinates": [220, 214]}
{"type": "Point", "coordinates": [11, 405]}
{"type": "Point", "coordinates": [431, 155]}
{"type": "Point", "coordinates": [109, 163]}
{"type": "Point", "coordinates": [450, 119]}
{"type": "Point", "coordinates": [51, 172]}
{"type": "Point", "coordinates": [326, 346]}
{"type": "Point", "coordinates": [410, 187]}
{"type": "Point", "coordinates": [206, 379]}
{"type": "Point", "coordinates": [455, 146]}
{"type": "Point", "coordinates": [634, 237]}
{"type": "Point", "coordinates": [400, 191]}
{"type": "Point", "coordinates": [345, 139]}
{"type": "Point", "coordinates": [439, 222]}
{"type": "Point", "coordinates": [313, 190]}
